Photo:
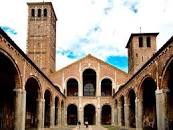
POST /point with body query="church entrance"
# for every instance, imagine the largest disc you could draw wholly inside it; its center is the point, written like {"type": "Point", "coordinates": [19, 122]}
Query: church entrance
{"type": "Point", "coordinates": [90, 114]}
{"type": "Point", "coordinates": [72, 115]}
{"type": "Point", "coordinates": [106, 115]}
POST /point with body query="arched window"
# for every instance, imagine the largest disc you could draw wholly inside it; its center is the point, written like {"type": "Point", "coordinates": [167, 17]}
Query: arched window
{"type": "Point", "coordinates": [89, 82]}
{"type": "Point", "coordinates": [106, 87]}
{"type": "Point", "coordinates": [39, 13]}
{"type": "Point", "coordinates": [33, 12]}
{"type": "Point", "coordinates": [140, 42]}
{"type": "Point", "coordinates": [45, 12]}
{"type": "Point", "coordinates": [72, 87]}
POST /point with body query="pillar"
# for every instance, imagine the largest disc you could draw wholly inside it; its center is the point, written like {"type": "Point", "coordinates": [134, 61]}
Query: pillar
{"type": "Point", "coordinates": [20, 109]}
{"type": "Point", "coordinates": [40, 113]}
{"type": "Point", "coordinates": [62, 116]}
{"type": "Point", "coordinates": [127, 112]}
{"type": "Point", "coordinates": [52, 116]}
{"type": "Point", "coordinates": [139, 112]}
{"type": "Point", "coordinates": [57, 116]}
{"type": "Point", "coordinates": [161, 109]}
{"type": "Point", "coordinates": [81, 113]}
{"type": "Point", "coordinates": [116, 115]}
{"type": "Point", "coordinates": [119, 114]}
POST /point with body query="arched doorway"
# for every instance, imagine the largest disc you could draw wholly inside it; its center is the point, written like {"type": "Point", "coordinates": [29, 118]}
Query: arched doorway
{"type": "Point", "coordinates": [106, 115]}
{"type": "Point", "coordinates": [149, 104]}
{"type": "Point", "coordinates": [90, 114]}
{"type": "Point", "coordinates": [168, 84]}
{"type": "Point", "coordinates": [8, 82]}
{"type": "Point", "coordinates": [106, 87]}
{"type": "Point", "coordinates": [72, 87]}
{"type": "Point", "coordinates": [89, 82]}
{"type": "Point", "coordinates": [72, 115]}
{"type": "Point", "coordinates": [47, 98]}
{"type": "Point", "coordinates": [32, 90]}
{"type": "Point", "coordinates": [132, 97]}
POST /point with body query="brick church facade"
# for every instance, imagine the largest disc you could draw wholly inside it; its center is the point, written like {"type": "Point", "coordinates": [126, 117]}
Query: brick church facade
{"type": "Point", "coordinates": [34, 95]}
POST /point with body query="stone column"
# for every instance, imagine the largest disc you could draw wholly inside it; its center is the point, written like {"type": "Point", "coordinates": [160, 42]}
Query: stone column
{"type": "Point", "coordinates": [127, 112]}
{"type": "Point", "coordinates": [59, 115]}
{"type": "Point", "coordinates": [62, 116]}
{"type": "Point", "coordinates": [52, 116]}
{"type": "Point", "coordinates": [98, 115]}
{"type": "Point", "coordinates": [139, 113]}
{"type": "Point", "coordinates": [98, 112]}
{"type": "Point", "coordinates": [80, 109]}
{"type": "Point", "coordinates": [161, 109]}
{"type": "Point", "coordinates": [65, 115]}
{"type": "Point", "coordinates": [40, 114]}
{"type": "Point", "coordinates": [56, 115]}
{"type": "Point", "coordinates": [112, 114]}
{"type": "Point", "coordinates": [119, 114]}
{"type": "Point", "coordinates": [20, 109]}
{"type": "Point", "coordinates": [116, 116]}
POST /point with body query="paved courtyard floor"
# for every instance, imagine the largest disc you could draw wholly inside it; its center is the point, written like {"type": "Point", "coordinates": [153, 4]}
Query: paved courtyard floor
{"type": "Point", "coordinates": [89, 128]}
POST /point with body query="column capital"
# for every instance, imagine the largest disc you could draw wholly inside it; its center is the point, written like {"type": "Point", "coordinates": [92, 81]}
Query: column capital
{"type": "Point", "coordinates": [19, 90]}
{"type": "Point", "coordinates": [161, 91]}
{"type": "Point", "coordinates": [40, 100]}
{"type": "Point", "coordinates": [126, 105]}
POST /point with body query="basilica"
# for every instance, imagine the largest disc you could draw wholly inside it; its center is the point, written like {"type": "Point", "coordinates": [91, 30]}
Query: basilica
{"type": "Point", "coordinates": [34, 95]}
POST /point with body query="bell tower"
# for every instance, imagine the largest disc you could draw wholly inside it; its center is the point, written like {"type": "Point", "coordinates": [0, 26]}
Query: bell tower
{"type": "Point", "coordinates": [141, 47]}
{"type": "Point", "coordinates": [41, 41]}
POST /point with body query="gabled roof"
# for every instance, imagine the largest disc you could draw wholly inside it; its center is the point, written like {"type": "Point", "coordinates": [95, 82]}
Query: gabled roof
{"type": "Point", "coordinates": [139, 34]}
{"type": "Point", "coordinates": [91, 56]}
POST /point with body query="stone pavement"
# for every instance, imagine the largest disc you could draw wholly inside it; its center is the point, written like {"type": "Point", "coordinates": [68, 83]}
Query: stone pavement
{"type": "Point", "coordinates": [89, 128]}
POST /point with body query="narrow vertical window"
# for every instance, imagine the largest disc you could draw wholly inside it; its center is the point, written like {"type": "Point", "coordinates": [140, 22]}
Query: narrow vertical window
{"type": "Point", "coordinates": [45, 12]}
{"type": "Point", "coordinates": [148, 42]}
{"type": "Point", "coordinates": [140, 42]}
{"type": "Point", "coordinates": [33, 12]}
{"type": "Point", "coordinates": [39, 13]}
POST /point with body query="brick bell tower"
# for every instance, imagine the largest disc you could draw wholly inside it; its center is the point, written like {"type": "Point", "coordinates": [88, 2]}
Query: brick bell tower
{"type": "Point", "coordinates": [141, 47]}
{"type": "Point", "coordinates": [41, 42]}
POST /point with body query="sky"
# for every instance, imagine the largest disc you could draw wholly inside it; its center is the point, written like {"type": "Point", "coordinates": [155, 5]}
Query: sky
{"type": "Point", "coordinates": [98, 27]}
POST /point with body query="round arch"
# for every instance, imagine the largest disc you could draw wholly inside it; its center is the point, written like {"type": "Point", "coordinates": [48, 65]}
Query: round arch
{"type": "Point", "coordinates": [18, 78]}
{"type": "Point", "coordinates": [90, 114]}
{"type": "Point", "coordinates": [148, 88]}
{"type": "Point", "coordinates": [72, 87]}
{"type": "Point", "coordinates": [32, 94]}
{"type": "Point", "coordinates": [89, 82]}
{"type": "Point", "coordinates": [106, 115]}
{"type": "Point", "coordinates": [106, 87]}
{"type": "Point", "coordinates": [132, 109]}
{"type": "Point", "coordinates": [72, 114]}
{"type": "Point", "coordinates": [167, 85]}
{"type": "Point", "coordinates": [48, 102]}
{"type": "Point", "coordinates": [10, 79]}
